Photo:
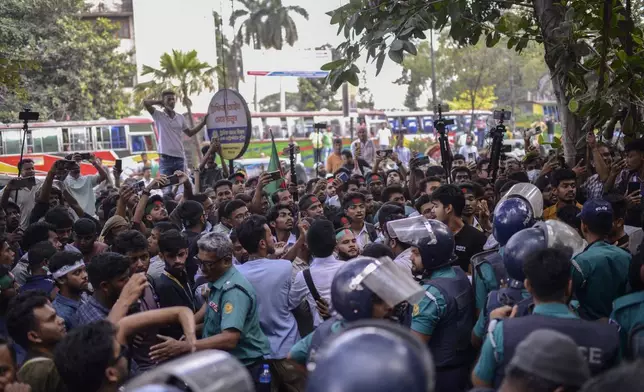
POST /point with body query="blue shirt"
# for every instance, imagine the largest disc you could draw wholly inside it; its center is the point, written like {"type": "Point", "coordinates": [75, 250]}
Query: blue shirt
{"type": "Point", "coordinates": [66, 308]}
{"type": "Point", "coordinates": [271, 280]}
{"type": "Point", "coordinates": [38, 282]}
{"type": "Point", "coordinates": [90, 312]}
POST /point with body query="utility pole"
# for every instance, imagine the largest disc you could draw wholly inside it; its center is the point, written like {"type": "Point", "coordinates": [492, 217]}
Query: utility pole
{"type": "Point", "coordinates": [512, 90]}
{"type": "Point", "coordinates": [431, 47]}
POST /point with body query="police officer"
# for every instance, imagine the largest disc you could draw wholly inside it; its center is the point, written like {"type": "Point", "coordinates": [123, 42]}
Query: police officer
{"type": "Point", "coordinates": [548, 278]}
{"type": "Point", "coordinates": [363, 288]}
{"type": "Point", "coordinates": [445, 316]}
{"type": "Point", "coordinates": [362, 358]}
{"type": "Point", "coordinates": [489, 270]}
{"type": "Point", "coordinates": [600, 273]}
{"type": "Point", "coordinates": [231, 320]}
{"type": "Point", "coordinates": [628, 313]}
{"type": "Point", "coordinates": [208, 370]}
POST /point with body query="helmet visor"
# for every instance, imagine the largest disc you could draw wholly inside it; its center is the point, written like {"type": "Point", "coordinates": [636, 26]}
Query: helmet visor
{"type": "Point", "coordinates": [530, 193]}
{"type": "Point", "coordinates": [561, 236]}
{"type": "Point", "coordinates": [411, 230]}
{"type": "Point", "coordinates": [390, 282]}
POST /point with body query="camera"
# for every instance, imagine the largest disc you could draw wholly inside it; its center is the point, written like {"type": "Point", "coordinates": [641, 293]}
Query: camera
{"type": "Point", "coordinates": [319, 126]}
{"type": "Point", "coordinates": [28, 115]}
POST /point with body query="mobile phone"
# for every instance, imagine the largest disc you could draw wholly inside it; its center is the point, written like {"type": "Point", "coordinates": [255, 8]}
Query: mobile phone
{"type": "Point", "coordinates": [502, 115]}
{"type": "Point", "coordinates": [470, 156]}
{"type": "Point", "coordinates": [633, 187]}
{"type": "Point", "coordinates": [66, 164]}
{"type": "Point", "coordinates": [275, 175]}
{"type": "Point", "coordinates": [385, 153]}
{"type": "Point", "coordinates": [118, 165]}
{"type": "Point", "coordinates": [173, 180]}
{"type": "Point", "coordinates": [25, 182]}
{"type": "Point", "coordinates": [343, 176]}
{"type": "Point", "coordinates": [139, 185]}
{"type": "Point", "coordinates": [86, 156]}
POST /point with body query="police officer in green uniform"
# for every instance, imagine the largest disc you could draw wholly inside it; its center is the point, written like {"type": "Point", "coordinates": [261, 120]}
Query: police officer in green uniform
{"type": "Point", "coordinates": [628, 313]}
{"type": "Point", "coordinates": [363, 288]}
{"type": "Point", "coordinates": [231, 320]}
{"type": "Point", "coordinates": [444, 318]}
{"type": "Point", "coordinates": [547, 271]}
{"type": "Point", "coordinates": [600, 273]}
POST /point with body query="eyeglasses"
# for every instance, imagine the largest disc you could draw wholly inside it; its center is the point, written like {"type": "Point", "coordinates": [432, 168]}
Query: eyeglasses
{"type": "Point", "coordinates": [209, 263]}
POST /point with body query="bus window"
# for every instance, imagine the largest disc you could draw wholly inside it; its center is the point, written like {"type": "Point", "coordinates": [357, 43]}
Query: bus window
{"type": "Point", "coordinates": [11, 142]}
{"type": "Point", "coordinates": [79, 139]}
{"type": "Point", "coordinates": [111, 137]}
{"type": "Point", "coordinates": [44, 140]}
{"type": "Point", "coordinates": [142, 143]}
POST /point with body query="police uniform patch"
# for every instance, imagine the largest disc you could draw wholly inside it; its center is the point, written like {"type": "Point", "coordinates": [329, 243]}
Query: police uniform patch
{"type": "Point", "coordinates": [213, 306]}
{"type": "Point", "coordinates": [416, 310]}
{"type": "Point", "coordinates": [228, 308]}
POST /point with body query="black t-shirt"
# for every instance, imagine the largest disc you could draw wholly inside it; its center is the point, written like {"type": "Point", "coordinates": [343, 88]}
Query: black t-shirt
{"type": "Point", "coordinates": [468, 242]}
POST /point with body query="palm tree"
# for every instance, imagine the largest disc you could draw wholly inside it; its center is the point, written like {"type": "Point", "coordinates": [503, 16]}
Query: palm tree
{"type": "Point", "coordinates": [183, 73]}
{"type": "Point", "coordinates": [267, 24]}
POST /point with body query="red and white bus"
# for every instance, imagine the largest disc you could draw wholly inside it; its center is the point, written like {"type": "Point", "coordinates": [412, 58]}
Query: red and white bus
{"type": "Point", "coordinates": [47, 142]}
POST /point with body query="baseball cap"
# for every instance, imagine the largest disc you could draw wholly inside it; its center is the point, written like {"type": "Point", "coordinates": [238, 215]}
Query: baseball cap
{"type": "Point", "coordinates": [238, 174]}
{"type": "Point", "coordinates": [553, 356]}
{"type": "Point", "coordinates": [597, 211]}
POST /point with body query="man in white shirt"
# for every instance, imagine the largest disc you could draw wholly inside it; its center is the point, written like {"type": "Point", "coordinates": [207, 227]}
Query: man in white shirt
{"type": "Point", "coordinates": [82, 187]}
{"type": "Point", "coordinates": [469, 150]}
{"type": "Point", "coordinates": [170, 125]}
{"type": "Point", "coordinates": [26, 196]}
{"type": "Point", "coordinates": [384, 137]}
{"type": "Point", "coordinates": [321, 242]}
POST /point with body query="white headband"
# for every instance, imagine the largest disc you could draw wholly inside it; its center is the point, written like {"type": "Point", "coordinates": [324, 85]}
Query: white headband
{"type": "Point", "coordinates": [67, 269]}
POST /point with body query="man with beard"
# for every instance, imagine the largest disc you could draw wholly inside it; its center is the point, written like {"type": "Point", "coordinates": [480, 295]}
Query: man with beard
{"type": "Point", "coordinates": [473, 206]}
{"type": "Point", "coordinates": [354, 206]}
{"type": "Point", "coordinates": [549, 198]}
{"type": "Point", "coordinates": [70, 274]}
{"type": "Point", "coordinates": [310, 206]}
{"type": "Point", "coordinates": [375, 181]}
{"type": "Point", "coordinates": [231, 320]}
{"type": "Point", "coordinates": [469, 150]}
{"type": "Point", "coordinates": [271, 280]}
{"type": "Point", "coordinates": [155, 210]}
{"type": "Point", "coordinates": [280, 220]}
{"type": "Point", "coordinates": [347, 246]}
{"type": "Point", "coordinates": [85, 239]}
{"type": "Point", "coordinates": [82, 187]}
{"type": "Point", "coordinates": [116, 290]}
{"type": "Point", "coordinates": [157, 266]}
{"type": "Point", "coordinates": [564, 187]}
{"type": "Point", "coordinates": [32, 323]}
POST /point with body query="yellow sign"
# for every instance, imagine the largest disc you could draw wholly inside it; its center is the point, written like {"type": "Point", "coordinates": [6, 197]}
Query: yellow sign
{"type": "Point", "coordinates": [228, 308]}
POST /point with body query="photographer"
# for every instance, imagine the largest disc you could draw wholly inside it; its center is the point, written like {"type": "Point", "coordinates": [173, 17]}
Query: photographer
{"type": "Point", "coordinates": [22, 193]}
{"type": "Point", "coordinates": [82, 187]}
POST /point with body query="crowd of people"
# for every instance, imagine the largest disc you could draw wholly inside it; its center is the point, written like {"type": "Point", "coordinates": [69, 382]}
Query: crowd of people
{"type": "Point", "coordinates": [384, 274]}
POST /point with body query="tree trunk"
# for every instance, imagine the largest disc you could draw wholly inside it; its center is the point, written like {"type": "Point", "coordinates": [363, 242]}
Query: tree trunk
{"type": "Point", "coordinates": [219, 48]}
{"type": "Point", "coordinates": [550, 14]}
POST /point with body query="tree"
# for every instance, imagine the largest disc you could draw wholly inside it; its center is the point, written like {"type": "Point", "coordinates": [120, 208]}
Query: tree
{"type": "Point", "coordinates": [416, 74]}
{"type": "Point", "coordinates": [183, 73]}
{"type": "Point", "coordinates": [271, 102]}
{"type": "Point", "coordinates": [316, 94]}
{"type": "Point", "coordinates": [591, 48]}
{"type": "Point", "coordinates": [230, 64]}
{"type": "Point", "coordinates": [58, 64]}
{"type": "Point", "coordinates": [267, 23]}
{"type": "Point", "coordinates": [483, 98]}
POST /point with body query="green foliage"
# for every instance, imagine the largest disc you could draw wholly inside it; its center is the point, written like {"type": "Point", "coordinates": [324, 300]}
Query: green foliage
{"type": "Point", "coordinates": [60, 65]}
{"type": "Point", "coordinates": [483, 98]}
{"type": "Point", "coordinates": [266, 23]}
{"type": "Point", "coordinates": [271, 102]}
{"type": "Point", "coordinates": [179, 71]}
{"type": "Point", "coordinates": [592, 49]}
{"type": "Point", "coordinates": [315, 94]}
{"type": "Point", "coordinates": [365, 97]}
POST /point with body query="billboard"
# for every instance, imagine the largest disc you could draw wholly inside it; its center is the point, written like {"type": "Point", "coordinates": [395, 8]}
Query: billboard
{"type": "Point", "coordinates": [303, 63]}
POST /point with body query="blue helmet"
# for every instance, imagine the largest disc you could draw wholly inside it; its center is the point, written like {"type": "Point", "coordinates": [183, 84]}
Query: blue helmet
{"type": "Point", "coordinates": [360, 359]}
{"type": "Point", "coordinates": [511, 216]}
{"type": "Point", "coordinates": [360, 281]}
{"type": "Point", "coordinates": [437, 250]}
{"type": "Point", "coordinates": [543, 235]}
